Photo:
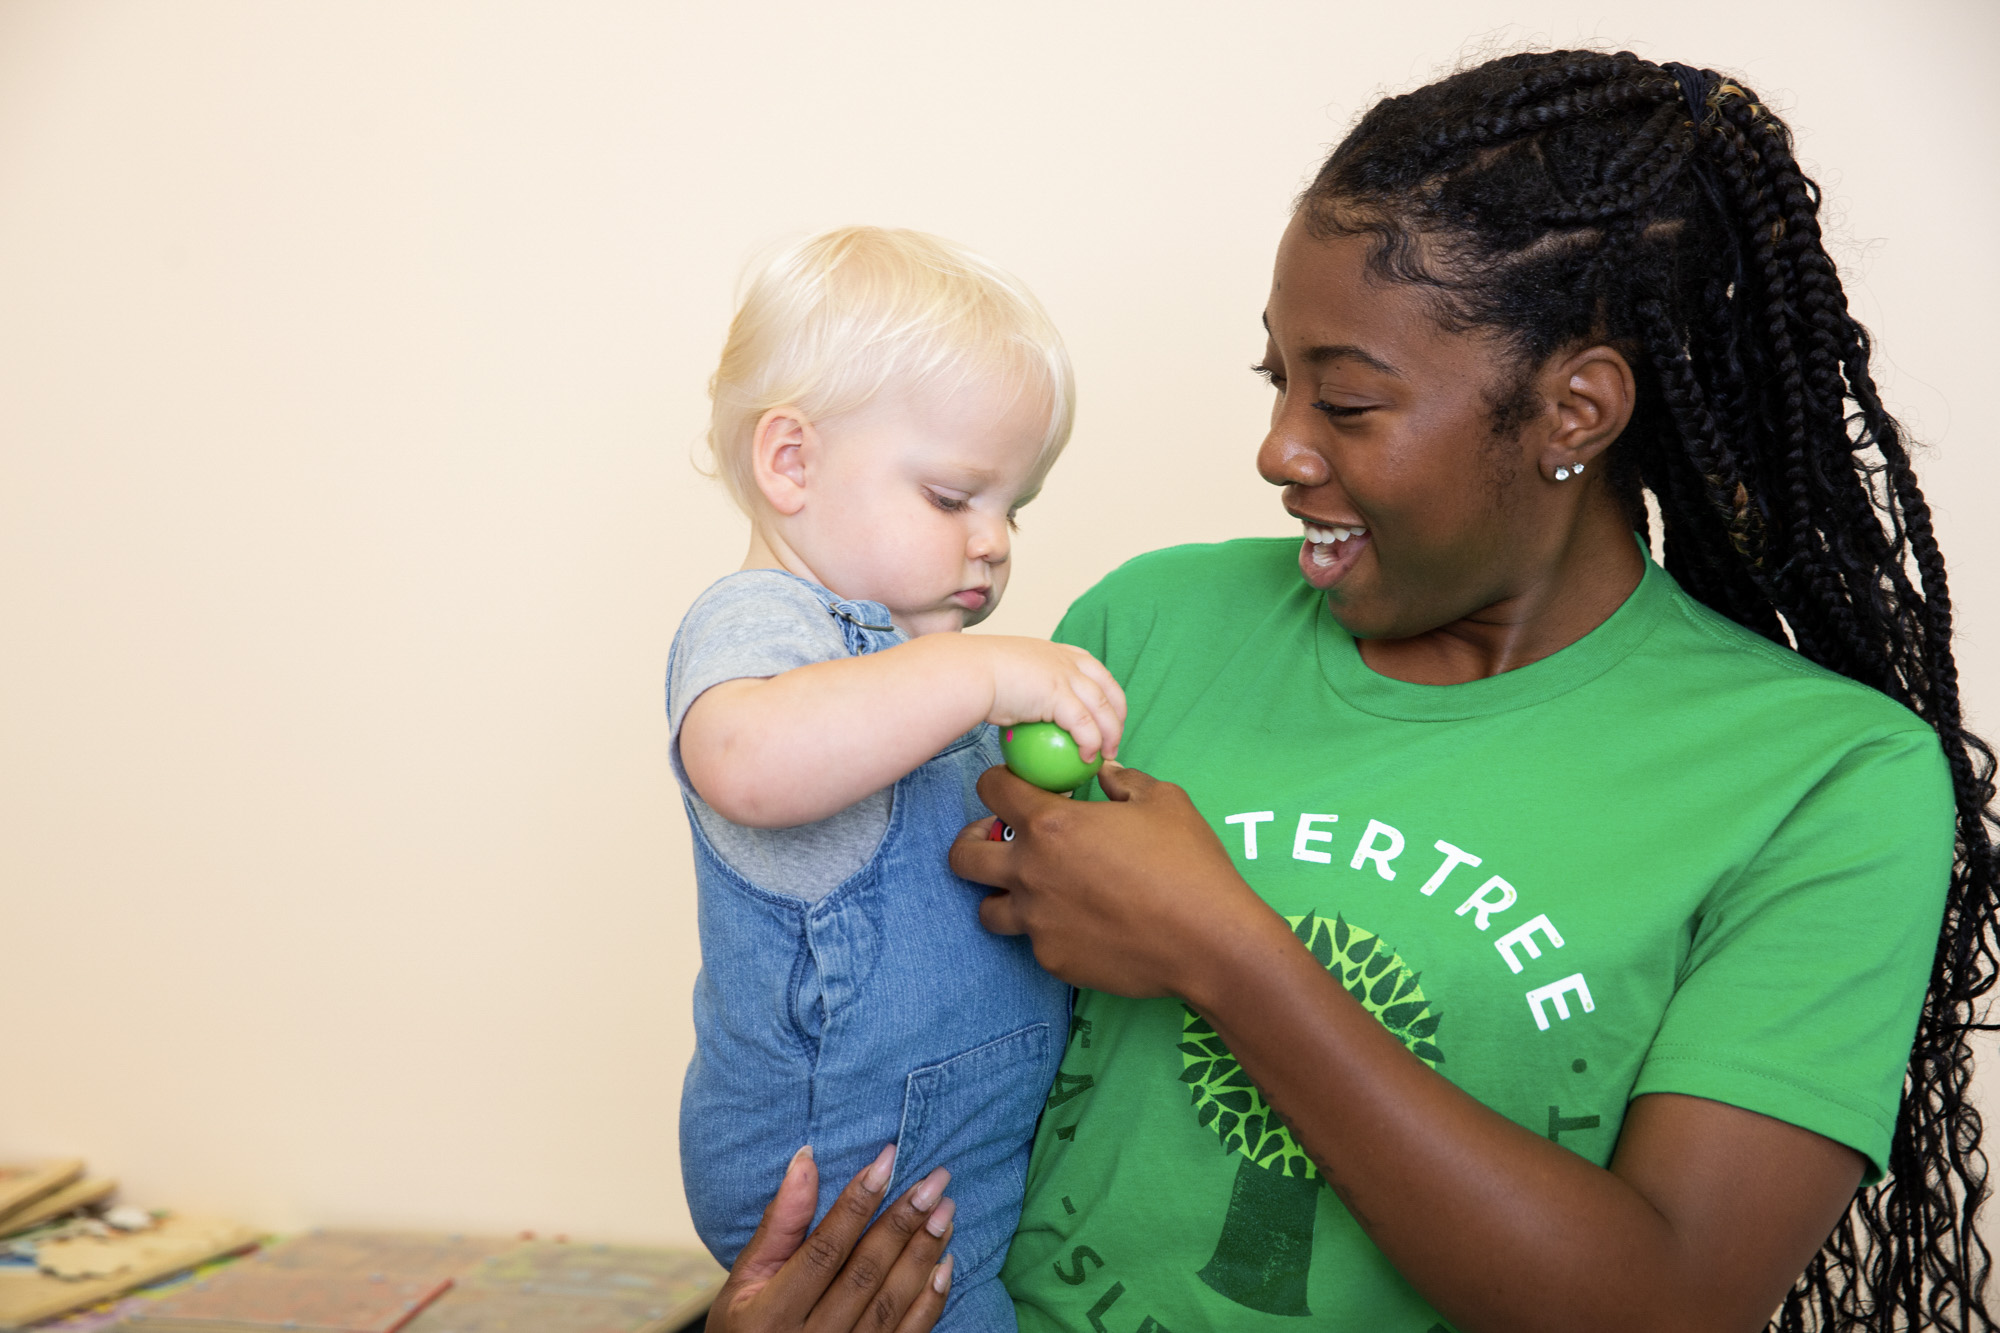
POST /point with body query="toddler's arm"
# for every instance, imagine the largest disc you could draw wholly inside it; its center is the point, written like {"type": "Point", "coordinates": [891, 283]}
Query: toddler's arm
{"type": "Point", "coordinates": [779, 751]}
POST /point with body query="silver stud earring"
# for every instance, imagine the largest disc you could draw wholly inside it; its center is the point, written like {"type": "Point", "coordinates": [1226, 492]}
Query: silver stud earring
{"type": "Point", "coordinates": [1562, 474]}
{"type": "Point", "coordinates": [1576, 470]}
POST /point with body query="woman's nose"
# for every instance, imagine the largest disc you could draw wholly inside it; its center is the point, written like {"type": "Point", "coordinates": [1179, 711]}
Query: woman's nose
{"type": "Point", "coordinates": [1286, 460]}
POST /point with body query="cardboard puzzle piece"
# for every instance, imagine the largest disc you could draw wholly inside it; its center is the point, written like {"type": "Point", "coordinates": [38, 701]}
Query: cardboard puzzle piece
{"type": "Point", "coordinates": [21, 1185]}
{"type": "Point", "coordinates": [53, 1205]}
{"type": "Point", "coordinates": [84, 1270]}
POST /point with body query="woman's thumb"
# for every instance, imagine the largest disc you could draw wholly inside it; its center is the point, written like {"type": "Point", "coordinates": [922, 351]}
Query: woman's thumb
{"type": "Point", "coordinates": [787, 1218]}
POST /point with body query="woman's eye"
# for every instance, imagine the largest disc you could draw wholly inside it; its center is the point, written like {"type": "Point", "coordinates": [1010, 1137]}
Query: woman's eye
{"type": "Point", "coordinates": [1268, 375]}
{"type": "Point", "coordinates": [1336, 410]}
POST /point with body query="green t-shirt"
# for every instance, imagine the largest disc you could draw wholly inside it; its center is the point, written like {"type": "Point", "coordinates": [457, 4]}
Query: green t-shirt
{"type": "Point", "coordinates": [1672, 857]}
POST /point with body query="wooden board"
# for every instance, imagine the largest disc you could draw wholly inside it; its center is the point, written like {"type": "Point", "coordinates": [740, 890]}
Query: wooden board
{"type": "Point", "coordinates": [548, 1287]}
{"type": "Point", "coordinates": [50, 1206]}
{"type": "Point", "coordinates": [501, 1286]}
{"type": "Point", "coordinates": [113, 1265]}
{"type": "Point", "coordinates": [23, 1183]}
{"type": "Point", "coordinates": [251, 1297]}
{"type": "Point", "coordinates": [322, 1282]}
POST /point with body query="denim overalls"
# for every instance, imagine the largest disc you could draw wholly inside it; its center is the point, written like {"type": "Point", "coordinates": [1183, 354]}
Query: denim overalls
{"type": "Point", "coordinates": [881, 1013]}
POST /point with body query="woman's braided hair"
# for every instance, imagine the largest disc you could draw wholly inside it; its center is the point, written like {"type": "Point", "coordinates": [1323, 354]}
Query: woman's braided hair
{"type": "Point", "coordinates": [1557, 198]}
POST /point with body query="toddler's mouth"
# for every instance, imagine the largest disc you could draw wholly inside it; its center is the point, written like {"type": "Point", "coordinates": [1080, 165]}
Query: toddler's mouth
{"type": "Point", "coordinates": [971, 598]}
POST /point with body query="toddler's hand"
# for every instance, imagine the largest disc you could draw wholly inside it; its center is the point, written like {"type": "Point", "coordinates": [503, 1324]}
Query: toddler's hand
{"type": "Point", "coordinates": [1035, 680]}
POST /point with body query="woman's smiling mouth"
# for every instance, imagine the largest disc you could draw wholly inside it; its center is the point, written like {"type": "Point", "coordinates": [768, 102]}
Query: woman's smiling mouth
{"type": "Point", "coordinates": [1330, 551]}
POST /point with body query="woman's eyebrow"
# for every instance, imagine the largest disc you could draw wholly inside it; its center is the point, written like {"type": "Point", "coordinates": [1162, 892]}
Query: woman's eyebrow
{"type": "Point", "coordinates": [1320, 356]}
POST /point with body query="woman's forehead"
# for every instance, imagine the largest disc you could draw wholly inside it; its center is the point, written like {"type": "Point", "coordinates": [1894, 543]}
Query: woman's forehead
{"type": "Point", "coordinates": [1327, 304]}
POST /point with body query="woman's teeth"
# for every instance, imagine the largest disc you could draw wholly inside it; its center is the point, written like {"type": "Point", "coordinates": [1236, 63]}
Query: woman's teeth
{"type": "Point", "coordinates": [1323, 540]}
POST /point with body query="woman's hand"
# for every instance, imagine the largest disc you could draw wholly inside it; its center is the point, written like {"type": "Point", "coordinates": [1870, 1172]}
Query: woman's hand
{"type": "Point", "coordinates": [1126, 896]}
{"type": "Point", "coordinates": [826, 1282]}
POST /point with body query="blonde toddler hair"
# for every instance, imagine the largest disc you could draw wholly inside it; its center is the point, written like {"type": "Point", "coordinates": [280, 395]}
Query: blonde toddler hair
{"type": "Point", "coordinates": [834, 320]}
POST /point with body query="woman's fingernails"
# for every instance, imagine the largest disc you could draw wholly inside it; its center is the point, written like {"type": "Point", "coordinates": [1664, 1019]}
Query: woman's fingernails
{"type": "Point", "coordinates": [877, 1174]}
{"type": "Point", "coordinates": [804, 1154]}
{"type": "Point", "coordinates": [928, 1189]}
{"type": "Point", "coordinates": [940, 1221]}
{"type": "Point", "coordinates": [941, 1276]}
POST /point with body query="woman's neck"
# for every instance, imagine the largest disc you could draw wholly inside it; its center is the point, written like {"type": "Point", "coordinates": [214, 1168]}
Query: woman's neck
{"type": "Point", "coordinates": [1571, 594]}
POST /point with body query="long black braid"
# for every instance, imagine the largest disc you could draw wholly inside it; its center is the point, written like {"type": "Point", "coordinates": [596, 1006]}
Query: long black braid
{"type": "Point", "coordinates": [1561, 197]}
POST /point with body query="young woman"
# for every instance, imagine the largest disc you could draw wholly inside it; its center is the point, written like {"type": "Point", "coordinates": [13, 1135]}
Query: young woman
{"type": "Point", "coordinates": [1594, 930]}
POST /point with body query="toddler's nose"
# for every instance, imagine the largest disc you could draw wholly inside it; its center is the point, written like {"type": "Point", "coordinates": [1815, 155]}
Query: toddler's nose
{"type": "Point", "coordinates": [989, 542]}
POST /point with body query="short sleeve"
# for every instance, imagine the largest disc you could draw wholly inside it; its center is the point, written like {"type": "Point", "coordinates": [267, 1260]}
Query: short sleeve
{"type": "Point", "coordinates": [1082, 626]}
{"type": "Point", "coordinates": [754, 623]}
{"type": "Point", "coordinates": [1805, 975]}
{"type": "Point", "coordinates": [760, 623]}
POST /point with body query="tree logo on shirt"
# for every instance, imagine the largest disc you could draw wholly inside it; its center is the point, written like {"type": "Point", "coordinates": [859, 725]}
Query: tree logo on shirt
{"type": "Point", "coordinates": [1265, 1251]}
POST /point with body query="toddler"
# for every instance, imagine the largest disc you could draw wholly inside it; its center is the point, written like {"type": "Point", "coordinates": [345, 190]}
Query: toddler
{"type": "Point", "coordinates": [885, 403]}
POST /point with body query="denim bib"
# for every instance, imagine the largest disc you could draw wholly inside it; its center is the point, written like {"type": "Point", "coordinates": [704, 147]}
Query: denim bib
{"type": "Point", "coordinates": [883, 1012]}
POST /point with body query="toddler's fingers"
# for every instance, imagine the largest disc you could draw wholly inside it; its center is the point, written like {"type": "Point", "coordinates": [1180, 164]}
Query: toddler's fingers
{"type": "Point", "coordinates": [1110, 714]}
{"type": "Point", "coordinates": [1105, 724]}
{"type": "Point", "coordinates": [1074, 716]}
{"type": "Point", "coordinates": [1100, 692]}
{"type": "Point", "coordinates": [1114, 693]}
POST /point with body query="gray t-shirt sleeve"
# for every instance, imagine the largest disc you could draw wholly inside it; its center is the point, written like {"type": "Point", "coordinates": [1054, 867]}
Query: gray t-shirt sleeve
{"type": "Point", "coordinates": [759, 623]}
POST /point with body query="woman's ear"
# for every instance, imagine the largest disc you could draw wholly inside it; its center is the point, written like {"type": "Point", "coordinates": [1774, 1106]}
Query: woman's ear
{"type": "Point", "coordinates": [778, 447]}
{"type": "Point", "coordinates": [1593, 391]}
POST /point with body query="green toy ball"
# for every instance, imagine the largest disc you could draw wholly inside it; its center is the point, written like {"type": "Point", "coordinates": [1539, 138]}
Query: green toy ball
{"type": "Point", "coordinates": [1044, 754]}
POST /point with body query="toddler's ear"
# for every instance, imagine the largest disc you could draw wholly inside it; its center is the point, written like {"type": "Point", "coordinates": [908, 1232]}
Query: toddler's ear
{"type": "Point", "coordinates": [777, 457]}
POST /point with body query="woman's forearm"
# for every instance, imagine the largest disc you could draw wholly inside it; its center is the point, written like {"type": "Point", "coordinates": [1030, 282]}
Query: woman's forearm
{"type": "Point", "coordinates": [1498, 1227]}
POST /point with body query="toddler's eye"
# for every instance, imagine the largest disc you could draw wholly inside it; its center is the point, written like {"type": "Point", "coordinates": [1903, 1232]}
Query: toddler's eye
{"type": "Point", "coordinates": [951, 504]}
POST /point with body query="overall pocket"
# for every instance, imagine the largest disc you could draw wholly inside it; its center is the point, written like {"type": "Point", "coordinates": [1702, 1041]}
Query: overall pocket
{"type": "Point", "coordinates": [974, 1115]}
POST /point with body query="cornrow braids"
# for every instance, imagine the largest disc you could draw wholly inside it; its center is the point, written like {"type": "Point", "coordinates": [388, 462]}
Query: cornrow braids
{"type": "Point", "coordinates": [1556, 197]}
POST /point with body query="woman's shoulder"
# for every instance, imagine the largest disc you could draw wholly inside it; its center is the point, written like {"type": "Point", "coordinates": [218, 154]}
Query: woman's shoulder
{"type": "Point", "coordinates": [1227, 573]}
{"type": "Point", "coordinates": [1187, 606]}
{"type": "Point", "coordinates": [1722, 664]}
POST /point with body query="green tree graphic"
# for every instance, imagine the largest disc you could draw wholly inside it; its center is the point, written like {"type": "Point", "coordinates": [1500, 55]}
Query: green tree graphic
{"type": "Point", "coordinates": [1265, 1251]}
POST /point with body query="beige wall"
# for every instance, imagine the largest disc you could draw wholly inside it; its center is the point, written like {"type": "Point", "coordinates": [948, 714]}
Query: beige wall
{"type": "Point", "coordinates": [351, 356]}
